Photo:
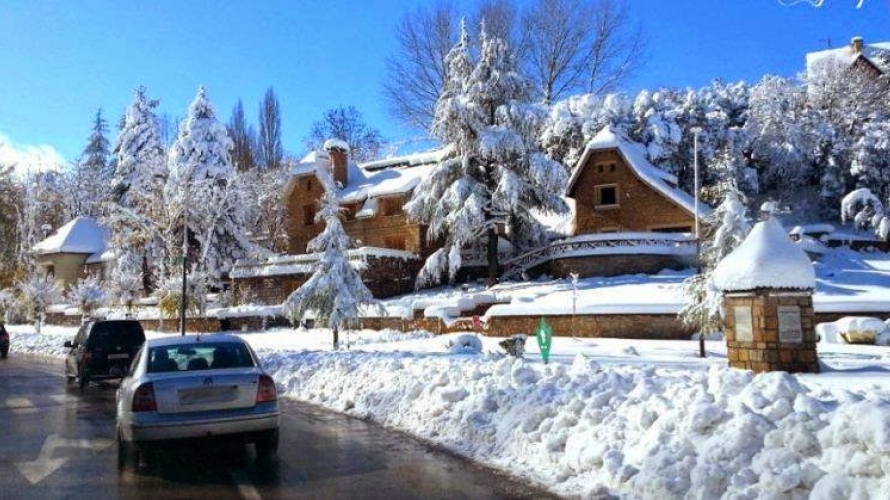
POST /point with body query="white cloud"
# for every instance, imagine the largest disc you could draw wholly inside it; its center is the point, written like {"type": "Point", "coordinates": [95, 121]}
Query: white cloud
{"type": "Point", "coordinates": [28, 158]}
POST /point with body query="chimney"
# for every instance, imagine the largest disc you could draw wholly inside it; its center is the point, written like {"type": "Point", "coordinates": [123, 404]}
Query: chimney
{"type": "Point", "coordinates": [856, 44]}
{"type": "Point", "coordinates": [338, 150]}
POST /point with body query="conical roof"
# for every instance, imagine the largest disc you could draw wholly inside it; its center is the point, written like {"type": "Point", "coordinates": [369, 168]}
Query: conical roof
{"type": "Point", "coordinates": [766, 259]}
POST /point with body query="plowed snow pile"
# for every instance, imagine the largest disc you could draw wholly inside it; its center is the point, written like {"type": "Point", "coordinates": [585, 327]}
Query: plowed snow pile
{"type": "Point", "coordinates": [586, 429]}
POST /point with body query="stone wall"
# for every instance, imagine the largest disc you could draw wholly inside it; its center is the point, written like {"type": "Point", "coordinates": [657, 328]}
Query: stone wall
{"type": "Point", "coordinates": [627, 326]}
{"type": "Point", "coordinates": [764, 350]}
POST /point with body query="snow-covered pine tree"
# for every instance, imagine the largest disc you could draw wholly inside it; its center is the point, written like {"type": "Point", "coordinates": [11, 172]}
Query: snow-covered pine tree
{"type": "Point", "coordinates": [87, 294]}
{"type": "Point", "coordinates": [704, 304]}
{"type": "Point", "coordinates": [90, 184]}
{"type": "Point", "coordinates": [200, 188]}
{"type": "Point", "coordinates": [38, 291]}
{"type": "Point", "coordinates": [495, 173]}
{"type": "Point", "coordinates": [335, 290]}
{"type": "Point", "coordinates": [137, 215]}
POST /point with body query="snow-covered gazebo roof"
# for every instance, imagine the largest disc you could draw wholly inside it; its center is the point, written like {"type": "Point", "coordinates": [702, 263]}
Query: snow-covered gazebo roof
{"type": "Point", "coordinates": [634, 155]}
{"type": "Point", "coordinates": [766, 259]}
{"type": "Point", "coordinates": [81, 235]}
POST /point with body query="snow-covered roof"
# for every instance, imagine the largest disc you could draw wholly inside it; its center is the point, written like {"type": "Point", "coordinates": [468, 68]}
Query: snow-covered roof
{"type": "Point", "coordinates": [409, 160]}
{"type": "Point", "coordinates": [634, 155]}
{"type": "Point", "coordinates": [81, 235]}
{"type": "Point", "coordinates": [766, 259]}
{"type": "Point", "coordinates": [876, 54]}
{"type": "Point", "coordinates": [362, 183]}
{"type": "Point", "coordinates": [100, 257]}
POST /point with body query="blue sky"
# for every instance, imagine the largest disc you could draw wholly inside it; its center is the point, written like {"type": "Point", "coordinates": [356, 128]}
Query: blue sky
{"type": "Point", "coordinates": [62, 60]}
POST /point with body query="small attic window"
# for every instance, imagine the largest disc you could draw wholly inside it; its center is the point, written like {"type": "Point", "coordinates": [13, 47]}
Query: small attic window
{"type": "Point", "coordinates": [308, 215]}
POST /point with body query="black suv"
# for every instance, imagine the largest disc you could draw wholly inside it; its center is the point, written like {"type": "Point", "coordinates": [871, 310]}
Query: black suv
{"type": "Point", "coordinates": [103, 350]}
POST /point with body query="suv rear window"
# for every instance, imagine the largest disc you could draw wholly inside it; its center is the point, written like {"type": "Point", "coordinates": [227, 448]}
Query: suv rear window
{"type": "Point", "coordinates": [110, 334]}
{"type": "Point", "coordinates": [199, 356]}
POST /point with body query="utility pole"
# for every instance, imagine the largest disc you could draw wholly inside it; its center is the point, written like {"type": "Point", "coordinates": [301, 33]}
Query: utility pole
{"type": "Point", "coordinates": [696, 131]}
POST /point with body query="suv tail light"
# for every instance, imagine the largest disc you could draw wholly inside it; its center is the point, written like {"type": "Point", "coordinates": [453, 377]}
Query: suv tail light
{"type": "Point", "coordinates": [266, 392]}
{"type": "Point", "coordinates": [144, 398]}
{"type": "Point", "coordinates": [87, 357]}
{"type": "Point", "coordinates": [4, 335]}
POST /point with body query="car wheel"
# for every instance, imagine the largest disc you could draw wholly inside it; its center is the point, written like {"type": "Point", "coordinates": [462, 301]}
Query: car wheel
{"type": "Point", "coordinates": [266, 444]}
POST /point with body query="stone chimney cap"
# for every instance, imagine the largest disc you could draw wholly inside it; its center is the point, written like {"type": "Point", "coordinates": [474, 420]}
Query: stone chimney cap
{"type": "Point", "coordinates": [336, 144]}
{"type": "Point", "coordinates": [857, 43]}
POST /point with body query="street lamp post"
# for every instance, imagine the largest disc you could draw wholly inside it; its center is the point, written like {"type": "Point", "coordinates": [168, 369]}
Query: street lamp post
{"type": "Point", "coordinates": [696, 131]}
{"type": "Point", "coordinates": [185, 249]}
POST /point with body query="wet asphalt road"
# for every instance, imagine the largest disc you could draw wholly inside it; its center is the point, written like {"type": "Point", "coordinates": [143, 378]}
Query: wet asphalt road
{"type": "Point", "coordinates": [58, 443]}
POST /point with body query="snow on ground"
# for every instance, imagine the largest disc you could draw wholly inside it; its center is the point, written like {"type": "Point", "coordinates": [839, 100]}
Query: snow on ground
{"type": "Point", "coordinates": [638, 419]}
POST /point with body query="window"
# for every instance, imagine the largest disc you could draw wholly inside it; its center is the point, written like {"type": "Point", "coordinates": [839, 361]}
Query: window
{"type": "Point", "coordinates": [51, 271]}
{"type": "Point", "coordinates": [390, 206]}
{"type": "Point", "coordinates": [308, 215]}
{"type": "Point", "coordinates": [606, 196]}
{"type": "Point", "coordinates": [394, 242]}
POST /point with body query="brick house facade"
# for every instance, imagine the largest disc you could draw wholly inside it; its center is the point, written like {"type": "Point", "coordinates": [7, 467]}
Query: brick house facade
{"type": "Point", "coordinates": [616, 189]}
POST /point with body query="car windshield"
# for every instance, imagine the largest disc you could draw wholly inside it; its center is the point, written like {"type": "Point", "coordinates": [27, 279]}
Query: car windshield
{"type": "Point", "coordinates": [199, 356]}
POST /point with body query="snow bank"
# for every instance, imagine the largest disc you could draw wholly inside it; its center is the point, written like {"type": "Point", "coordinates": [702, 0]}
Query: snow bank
{"type": "Point", "coordinates": [638, 431]}
{"type": "Point", "coordinates": [766, 259]}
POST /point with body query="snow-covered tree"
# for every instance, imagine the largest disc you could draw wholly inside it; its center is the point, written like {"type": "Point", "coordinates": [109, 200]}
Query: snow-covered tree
{"type": "Point", "coordinates": [90, 182]}
{"type": "Point", "coordinates": [38, 291]}
{"type": "Point", "coordinates": [87, 294]}
{"type": "Point", "coordinates": [871, 158]}
{"type": "Point", "coordinates": [266, 218]}
{"type": "Point", "coordinates": [126, 280]}
{"type": "Point", "coordinates": [137, 215]}
{"type": "Point", "coordinates": [200, 190]}
{"type": "Point", "coordinates": [865, 210]}
{"type": "Point", "coordinates": [335, 291]}
{"type": "Point", "coordinates": [704, 302]}
{"type": "Point", "coordinates": [495, 173]}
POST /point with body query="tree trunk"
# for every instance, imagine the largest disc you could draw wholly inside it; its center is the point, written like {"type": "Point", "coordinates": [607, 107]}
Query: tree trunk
{"type": "Point", "coordinates": [336, 337]}
{"type": "Point", "coordinates": [492, 256]}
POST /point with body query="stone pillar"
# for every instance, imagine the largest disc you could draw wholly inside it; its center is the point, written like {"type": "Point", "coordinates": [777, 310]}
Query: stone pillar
{"type": "Point", "coordinates": [771, 330]}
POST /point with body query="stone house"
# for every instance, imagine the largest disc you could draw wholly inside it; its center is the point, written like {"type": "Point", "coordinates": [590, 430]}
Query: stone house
{"type": "Point", "coordinates": [628, 217]}
{"type": "Point", "coordinates": [73, 251]}
{"type": "Point", "coordinates": [873, 58]}
{"type": "Point", "coordinates": [389, 249]}
{"type": "Point", "coordinates": [616, 189]}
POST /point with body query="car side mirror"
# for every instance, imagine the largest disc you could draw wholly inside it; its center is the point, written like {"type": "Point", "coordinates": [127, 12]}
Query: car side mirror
{"type": "Point", "coordinates": [68, 343]}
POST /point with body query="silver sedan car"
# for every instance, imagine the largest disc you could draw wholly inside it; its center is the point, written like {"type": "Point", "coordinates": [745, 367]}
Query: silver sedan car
{"type": "Point", "coordinates": [192, 387]}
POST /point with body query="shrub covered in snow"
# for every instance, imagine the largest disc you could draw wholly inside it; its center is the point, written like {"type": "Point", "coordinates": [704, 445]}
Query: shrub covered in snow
{"type": "Point", "coordinates": [466, 343]}
{"type": "Point", "coordinates": [855, 330]}
{"type": "Point", "coordinates": [87, 294]}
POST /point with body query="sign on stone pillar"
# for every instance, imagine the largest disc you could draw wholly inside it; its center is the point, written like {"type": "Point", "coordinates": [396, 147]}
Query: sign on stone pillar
{"type": "Point", "coordinates": [789, 324]}
{"type": "Point", "coordinates": [767, 284]}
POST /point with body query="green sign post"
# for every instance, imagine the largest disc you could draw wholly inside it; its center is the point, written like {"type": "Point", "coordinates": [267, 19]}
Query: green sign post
{"type": "Point", "coordinates": [545, 339]}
